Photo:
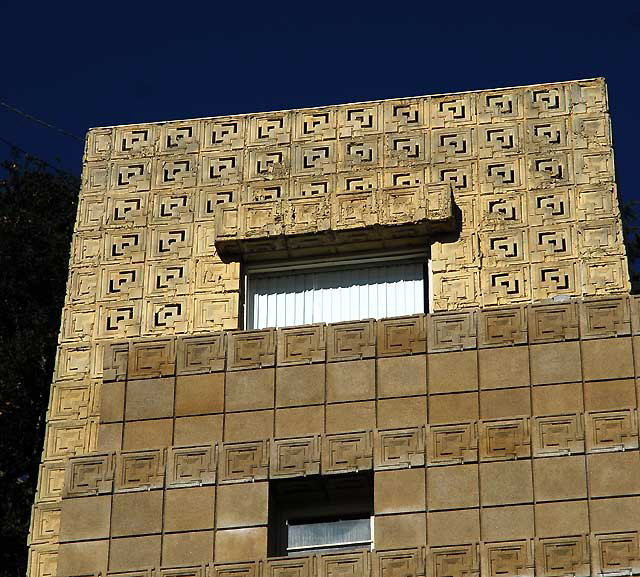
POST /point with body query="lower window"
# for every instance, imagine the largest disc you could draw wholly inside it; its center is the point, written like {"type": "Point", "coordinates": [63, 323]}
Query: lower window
{"type": "Point", "coordinates": [342, 289]}
{"type": "Point", "coordinates": [320, 514]}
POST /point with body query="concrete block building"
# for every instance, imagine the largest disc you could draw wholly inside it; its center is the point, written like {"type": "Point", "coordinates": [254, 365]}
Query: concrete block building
{"type": "Point", "coordinates": [384, 339]}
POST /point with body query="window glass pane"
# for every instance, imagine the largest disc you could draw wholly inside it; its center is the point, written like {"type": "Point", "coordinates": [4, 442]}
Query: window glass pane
{"type": "Point", "coordinates": [329, 533]}
{"type": "Point", "coordinates": [335, 294]}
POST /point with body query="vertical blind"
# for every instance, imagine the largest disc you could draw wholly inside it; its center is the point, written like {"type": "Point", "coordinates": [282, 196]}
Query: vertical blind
{"type": "Point", "coordinates": [337, 293]}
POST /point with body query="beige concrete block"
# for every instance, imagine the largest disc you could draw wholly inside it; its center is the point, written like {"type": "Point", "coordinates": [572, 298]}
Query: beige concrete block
{"type": "Point", "coordinates": [397, 531]}
{"type": "Point", "coordinates": [504, 367]}
{"type": "Point", "coordinates": [300, 385]}
{"type": "Point", "coordinates": [402, 412]}
{"type": "Point", "coordinates": [614, 514]}
{"type": "Point", "coordinates": [553, 363]}
{"type": "Point", "coordinates": [249, 426]}
{"type": "Point", "coordinates": [610, 395]}
{"type": "Point", "coordinates": [560, 478]}
{"type": "Point", "coordinates": [399, 491]}
{"type": "Point", "coordinates": [149, 399]}
{"type": "Point", "coordinates": [236, 545]}
{"type": "Point", "coordinates": [351, 381]}
{"type": "Point", "coordinates": [85, 518]}
{"type": "Point", "coordinates": [346, 417]}
{"type": "Point", "coordinates": [242, 505]}
{"type": "Point", "coordinates": [557, 399]}
{"type": "Point", "coordinates": [607, 359]}
{"type": "Point", "coordinates": [250, 390]}
{"type": "Point", "coordinates": [195, 548]}
{"type": "Point", "coordinates": [198, 430]}
{"type": "Point", "coordinates": [153, 434]}
{"type": "Point", "coordinates": [112, 402]}
{"type": "Point", "coordinates": [199, 394]}
{"type": "Point", "coordinates": [450, 527]}
{"type": "Point", "coordinates": [453, 372]}
{"type": "Point", "coordinates": [137, 513]}
{"type": "Point", "coordinates": [189, 509]}
{"type": "Point", "coordinates": [614, 474]}
{"type": "Point", "coordinates": [84, 557]}
{"type": "Point", "coordinates": [453, 487]}
{"type": "Point", "coordinates": [402, 376]}
{"type": "Point", "coordinates": [131, 553]}
{"type": "Point", "coordinates": [110, 437]}
{"type": "Point", "coordinates": [299, 421]}
{"type": "Point", "coordinates": [562, 518]}
{"type": "Point", "coordinates": [454, 408]}
{"type": "Point", "coordinates": [505, 403]}
{"type": "Point", "coordinates": [506, 483]}
{"type": "Point", "coordinates": [507, 523]}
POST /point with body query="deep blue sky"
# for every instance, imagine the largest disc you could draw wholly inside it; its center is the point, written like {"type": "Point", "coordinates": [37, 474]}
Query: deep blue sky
{"type": "Point", "coordinates": [78, 65]}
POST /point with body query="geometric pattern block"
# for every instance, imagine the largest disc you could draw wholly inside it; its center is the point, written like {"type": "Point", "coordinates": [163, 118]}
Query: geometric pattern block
{"type": "Point", "coordinates": [398, 449]}
{"type": "Point", "coordinates": [244, 462]}
{"type": "Point", "coordinates": [291, 567]}
{"type": "Point", "coordinates": [347, 452]}
{"type": "Point", "coordinates": [556, 557]}
{"type": "Point", "coordinates": [513, 558]}
{"type": "Point", "coordinates": [201, 354]}
{"type": "Point", "coordinates": [402, 335]}
{"type": "Point", "coordinates": [352, 564]}
{"type": "Point", "coordinates": [249, 569]}
{"type": "Point", "coordinates": [452, 444]}
{"type": "Point", "coordinates": [612, 431]}
{"type": "Point", "coordinates": [501, 440]}
{"type": "Point", "coordinates": [558, 435]}
{"type": "Point", "coordinates": [295, 457]}
{"type": "Point", "coordinates": [499, 327]}
{"type": "Point", "coordinates": [459, 561]}
{"type": "Point", "coordinates": [351, 340]}
{"type": "Point", "coordinates": [251, 349]}
{"type": "Point", "coordinates": [139, 470]}
{"type": "Point", "coordinates": [191, 466]}
{"type": "Point", "coordinates": [89, 475]}
{"type": "Point", "coordinates": [609, 317]}
{"type": "Point", "coordinates": [616, 553]}
{"type": "Point", "coordinates": [149, 359]}
{"type": "Point", "coordinates": [301, 345]}
{"type": "Point", "coordinates": [451, 331]}
{"type": "Point", "coordinates": [555, 322]}
{"type": "Point", "coordinates": [401, 563]}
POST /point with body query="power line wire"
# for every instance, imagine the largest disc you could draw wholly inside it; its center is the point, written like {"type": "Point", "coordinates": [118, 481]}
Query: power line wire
{"type": "Point", "coordinates": [33, 157]}
{"type": "Point", "coordinates": [41, 122]}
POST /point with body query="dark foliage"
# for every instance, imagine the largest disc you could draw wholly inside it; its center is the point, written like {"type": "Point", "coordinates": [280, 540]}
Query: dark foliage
{"type": "Point", "coordinates": [37, 212]}
{"type": "Point", "coordinates": [631, 231]}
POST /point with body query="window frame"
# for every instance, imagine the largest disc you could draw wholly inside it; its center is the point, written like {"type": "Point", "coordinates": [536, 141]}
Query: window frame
{"type": "Point", "coordinates": [333, 262]}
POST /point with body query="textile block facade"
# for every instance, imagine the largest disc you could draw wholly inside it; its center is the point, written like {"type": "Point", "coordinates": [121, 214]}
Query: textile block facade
{"type": "Point", "coordinates": [501, 429]}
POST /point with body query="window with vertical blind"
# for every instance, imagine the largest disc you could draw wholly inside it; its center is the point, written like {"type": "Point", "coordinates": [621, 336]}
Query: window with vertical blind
{"type": "Point", "coordinates": [338, 290]}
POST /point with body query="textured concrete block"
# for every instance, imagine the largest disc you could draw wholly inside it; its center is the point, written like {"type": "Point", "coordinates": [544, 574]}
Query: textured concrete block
{"type": "Point", "coordinates": [453, 487]}
{"type": "Point", "coordinates": [562, 518]}
{"type": "Point", "coordinates": [447, 527]}
{"type": "Point", "coordinates": [82, 558]}
{"type": "Point", "coordinates": [199, 394]}
{"type": "Point", "coordinates": [200, 430]}
{"type": "Point", "coordinates": [504, 403]}
{"type": "Point", "coordinates": [402, 376]}
{"type": "Point", "coordinates": [85, 518]}
{"type": "Point", "coordinates": [557, 399]}
{"type": "Point", "coordinates": [399, 491]}
{"type": "Point", "coordinates": [249, 390]}
{"type": "Point", "coordinates": [300, 385]}
{"type": "Point", "coordinates": [607, 359]}
{"type": "Point", "coordinates": [454, 408]}
{"type": "Point", "coordinates": [560, 478]}
{"type": "Point", "coordinates": [555, 363]}
{"type": "Point", "coordinates": [396, 531]}
{"type": "Point", "coordinates": [194, 548]}
{"type": "Point", "coordinates": [351, 381]}
{"type": "Point", "coordinates": [236, 545]}
{"type": "Point", "coordinates": [614, 474]}
{"type": "Point", "coordinates": [149, 399]}
{"type": "Point", "coordinates": [609, 395]}
{"type": "Point", "coordinates": [507, 523]}
{"type": "Point", "coordinates": [131, 553]}
{"type": "Point", "coordinates": [249, 426]}
{"type": "Point", "coordinates": [299, 421]}
{"type": "Point", "coordinates": [506, 483]}
{"type": "Point", "coordinates": [453, 372]}
{"type": "Point", "coordinates": [402, 412]}
{"type": "Point", "coordinates": [189, 509]}
{"type": "Point", "coordinates": [614, 514]}
{"type": "Point", "coordinates": [139, 435]}
{"type": "Point", "coordinates": [138, 513]}
{"type": "Point", "coordinates": [112, 402]}
{"type": "Point", "coordinates": [344, 417]}
{"type": "Point", "coordinates": [504, 367]}
{"type": "Point", "coordinates": [242, 505]}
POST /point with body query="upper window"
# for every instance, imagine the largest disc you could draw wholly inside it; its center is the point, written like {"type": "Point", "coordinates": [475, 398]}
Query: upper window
{"type": "Point", "coordinates": [335, 290]}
